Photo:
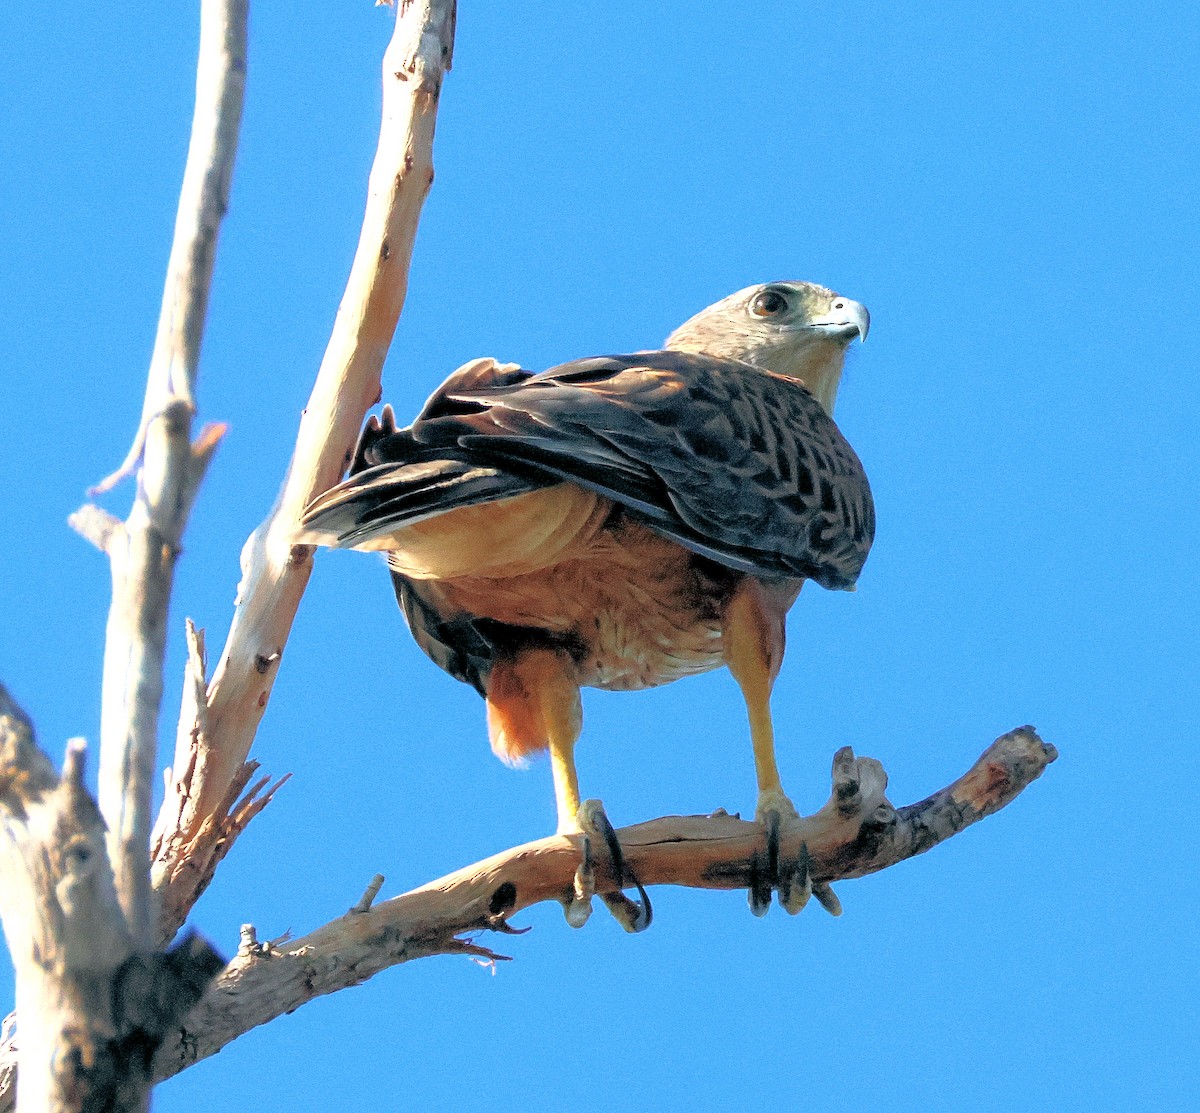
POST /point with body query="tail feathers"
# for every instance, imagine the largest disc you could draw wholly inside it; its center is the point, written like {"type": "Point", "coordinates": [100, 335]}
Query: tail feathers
{"type": "Point", "coordinates": [378, 501]}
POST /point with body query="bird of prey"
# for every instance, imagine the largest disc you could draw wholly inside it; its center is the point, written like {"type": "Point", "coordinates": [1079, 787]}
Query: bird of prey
{"type": "Point", "coordinates": [621, 521]}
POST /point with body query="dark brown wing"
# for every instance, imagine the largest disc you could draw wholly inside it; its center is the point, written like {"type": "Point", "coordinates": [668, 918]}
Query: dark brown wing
{"type": "Point", "coordinates": [740, 465]}
{"type": "Point", "coordinates": [737, 464]}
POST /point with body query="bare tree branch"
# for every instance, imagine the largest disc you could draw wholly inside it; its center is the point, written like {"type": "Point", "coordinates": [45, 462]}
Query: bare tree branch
{"type": "Point", "coordinates": [856, 833]}
{"type": "Point", "coordinates": [187, 846]}
{"type": "Point", "coordinates": [203, 201]}
{"type": "Point", "coordinates": [142, 551]}
{"type": "Point", "coordinates": [93, 1008]}
{"type": "Point", "coordinates": [95, 998]}
{"type": "Point", "coordinates": [274, 570]}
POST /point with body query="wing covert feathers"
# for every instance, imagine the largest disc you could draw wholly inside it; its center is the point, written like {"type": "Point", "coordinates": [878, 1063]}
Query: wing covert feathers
{"type": "Point", "coordinates": [738, 464]}
{"type": "Point", "coordinates": [735, 463]}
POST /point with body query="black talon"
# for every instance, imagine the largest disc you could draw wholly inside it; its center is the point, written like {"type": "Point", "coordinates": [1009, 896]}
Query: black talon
{"type": "Point", "coordinates": [764, 875]}
{"type": "Point", "coordinates": [633, 916]}
{"type": "Point", "coordinates": [605, 830]}
{"type": "Point", "coordinates": [773, 848]}
{"type": "Point", "coordinates": [788, 871]}
{"type": "Point", "coordinates": [804, 865]}
{"type": "Point", "coordinates": [796, 886]}
{"type": "Point", "coordinates": [759, 894]}
{"type": "Point", "coordinates": [769, 872]}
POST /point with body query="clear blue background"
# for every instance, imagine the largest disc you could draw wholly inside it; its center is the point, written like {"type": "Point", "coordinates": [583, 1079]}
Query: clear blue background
{"type": "Point", "coordinates": [1010, 188]}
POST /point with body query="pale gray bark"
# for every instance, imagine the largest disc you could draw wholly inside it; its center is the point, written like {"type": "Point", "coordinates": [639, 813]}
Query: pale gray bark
{"type": "Point", "coordinates": [211, 751]}
{"type": "Point", "coordinates": [94, 1008]}
{"type": "Point", "coordinates": [142, 550]}
{"type": "Point", "coordinates": [94, 995]}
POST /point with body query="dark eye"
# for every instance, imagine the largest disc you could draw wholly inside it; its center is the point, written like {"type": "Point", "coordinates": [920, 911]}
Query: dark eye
{"type": "Point", "coordinates": [770, 303]}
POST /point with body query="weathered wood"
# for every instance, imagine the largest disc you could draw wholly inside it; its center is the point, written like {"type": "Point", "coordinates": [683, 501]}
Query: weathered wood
{"type": "Point", "coordinates": [95, 997]}
{"type": "Point", "coordinates": [186, 847]}
{"type": "Point", "coordinates": [142, 550]}
{"type": "Point", "coordinates": [211, 760]}
{"type": "Point", "coordinates": [94, 1008]}
{"type": "Point", "coordinates": [857, 832]}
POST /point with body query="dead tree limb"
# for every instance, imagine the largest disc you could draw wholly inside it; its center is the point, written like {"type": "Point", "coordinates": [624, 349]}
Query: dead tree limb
{"type": "Point", "coordinates": [143, 549]}
{"type": "Point", "coordinates": [857, 832]}
{"type": "Point", "coordinates": [102, 1012]}
{"type": "Point", "coordinates": [95, 996]}
{"type": "Point", "coordinates": [212, 751]}
{"type": "Point", "coordinates": [94, 1008]}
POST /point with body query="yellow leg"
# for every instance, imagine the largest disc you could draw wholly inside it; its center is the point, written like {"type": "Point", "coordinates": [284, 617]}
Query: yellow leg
{"type": "Point", "coordinates": [753, 639]}
{"type": "Point", "coordinates": [566, 780]}
{"type": "Point", "coordinates": [533, 704]}
{"type": "Point", "coordinates": [562, 716]}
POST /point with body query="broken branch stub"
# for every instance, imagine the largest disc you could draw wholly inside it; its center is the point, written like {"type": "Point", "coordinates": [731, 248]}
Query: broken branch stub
{"type": "Point", "coordinates": [94, 1009]}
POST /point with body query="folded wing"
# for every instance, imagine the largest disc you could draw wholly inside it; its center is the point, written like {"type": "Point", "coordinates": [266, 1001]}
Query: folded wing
{"type": "Point", "coordinates": [735, 463]}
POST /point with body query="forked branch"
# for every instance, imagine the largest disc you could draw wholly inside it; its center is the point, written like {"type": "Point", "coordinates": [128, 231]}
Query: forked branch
{"type": "Point", "coordinates": [93, 1006]}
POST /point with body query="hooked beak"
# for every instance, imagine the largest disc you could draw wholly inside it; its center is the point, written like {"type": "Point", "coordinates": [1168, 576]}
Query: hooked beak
{"type": "Point", "coordinates": [845, 319]}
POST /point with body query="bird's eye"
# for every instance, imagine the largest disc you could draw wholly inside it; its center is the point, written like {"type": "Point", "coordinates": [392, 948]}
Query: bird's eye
{"type": "Point", "coordinates": [770, 303]}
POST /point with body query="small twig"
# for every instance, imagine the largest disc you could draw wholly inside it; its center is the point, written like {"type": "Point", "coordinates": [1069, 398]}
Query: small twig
{"type": "Point", "coordinates": [98, 526]}
{"type": "Point", "coordinates": [369, 894]}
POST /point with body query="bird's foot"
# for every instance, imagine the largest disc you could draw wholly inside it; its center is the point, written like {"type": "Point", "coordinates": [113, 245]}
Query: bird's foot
{"type": "Point", "coordinates": [578, 907]}
{"type": "Point", "coordinates": [775, 800]}
{"type": "Point", "coordinates": [792, 877]}
{"type": "Point", "coordinates": [632, 915]}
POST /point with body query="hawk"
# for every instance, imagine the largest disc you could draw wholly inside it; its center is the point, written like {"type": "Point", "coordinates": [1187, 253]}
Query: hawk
{"type": "Point", "coordinates": [622, 521]}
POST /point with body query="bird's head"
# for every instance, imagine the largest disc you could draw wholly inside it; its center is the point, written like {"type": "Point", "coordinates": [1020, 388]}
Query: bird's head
{"type": "Point", "coordinates": [795, 329]}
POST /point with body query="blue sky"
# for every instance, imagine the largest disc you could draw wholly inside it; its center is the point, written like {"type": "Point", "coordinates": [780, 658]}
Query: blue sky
{"type": "Point", "coordinates": [1011, 190]}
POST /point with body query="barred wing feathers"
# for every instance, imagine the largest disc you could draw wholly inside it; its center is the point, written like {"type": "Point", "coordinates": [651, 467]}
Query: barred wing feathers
{"type": "Point", "coordinates": [735, 463]}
